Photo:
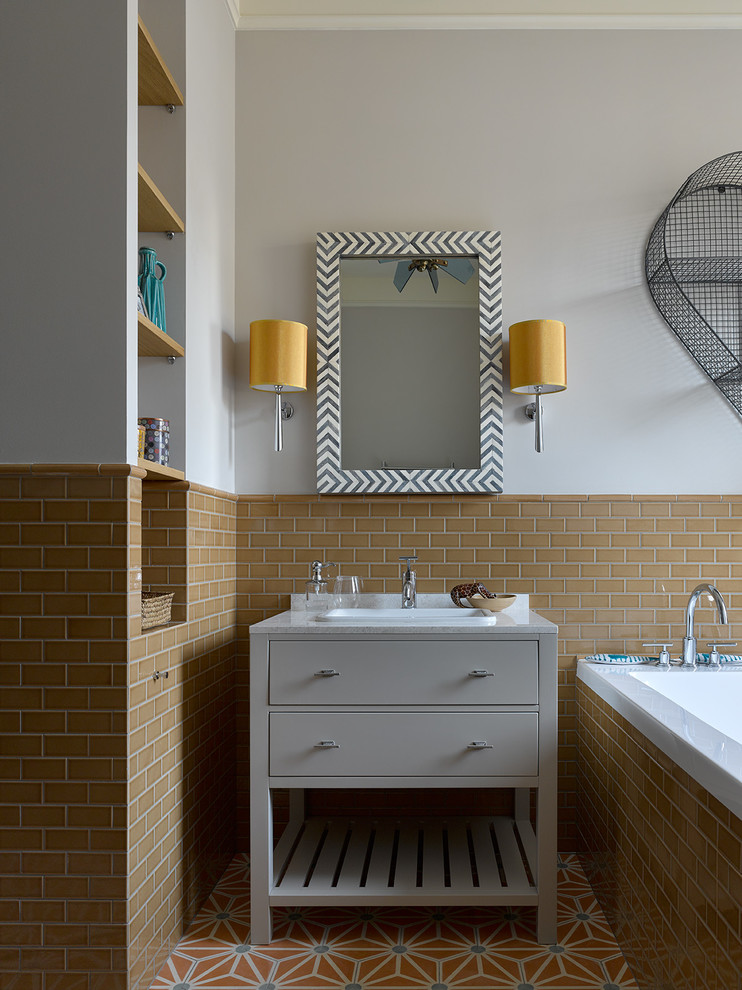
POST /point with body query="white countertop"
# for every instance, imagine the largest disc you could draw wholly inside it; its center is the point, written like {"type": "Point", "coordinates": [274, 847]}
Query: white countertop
{"type": "Point", "coordinates": [517, 620]}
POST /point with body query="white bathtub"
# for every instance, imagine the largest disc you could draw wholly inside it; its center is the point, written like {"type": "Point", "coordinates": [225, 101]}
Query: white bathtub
{"type": "Point", "coordinates": [694, 716]}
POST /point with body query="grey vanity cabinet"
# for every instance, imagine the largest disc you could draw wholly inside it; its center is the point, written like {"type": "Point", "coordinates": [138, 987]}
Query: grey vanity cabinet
{"type": "Point", "coordinates": [395, 710]}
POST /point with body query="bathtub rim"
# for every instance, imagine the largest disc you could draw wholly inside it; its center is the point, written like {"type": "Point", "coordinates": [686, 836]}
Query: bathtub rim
{"type": "Point", "coordinates": [664, 726]}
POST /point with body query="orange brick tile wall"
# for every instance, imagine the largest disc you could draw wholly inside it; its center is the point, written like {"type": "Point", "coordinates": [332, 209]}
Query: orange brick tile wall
{"type": "Point", "coordinates": [116, 804]}
{"type": "Point", "coordinates": [612, 571]}
{"type": "Point", "coordinates": [663, 855]}
{"type": "Point", "coordinates": [112, 775]}
{"type": "Point", "coordinates": [63, 662]}
{"type": "Point", "coordinates": [181, 723]}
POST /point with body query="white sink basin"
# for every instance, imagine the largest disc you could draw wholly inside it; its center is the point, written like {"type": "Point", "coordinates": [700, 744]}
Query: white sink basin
{"type": "Point", "coordinates": [406, 616]}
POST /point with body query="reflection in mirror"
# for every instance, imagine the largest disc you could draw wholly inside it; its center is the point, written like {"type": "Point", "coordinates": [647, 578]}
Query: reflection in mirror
{"type": "Point", "coordinates": [409, 389]}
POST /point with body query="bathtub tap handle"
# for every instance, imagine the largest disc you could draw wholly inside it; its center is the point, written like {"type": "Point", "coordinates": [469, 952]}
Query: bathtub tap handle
{"type": "Point", "coordinates": [713, 660]}
{"type": "Point", "coordinates": [664, 658]}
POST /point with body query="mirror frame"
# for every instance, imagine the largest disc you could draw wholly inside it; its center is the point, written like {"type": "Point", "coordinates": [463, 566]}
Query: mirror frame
{"type": "Point", "coordinates": [331, 249]}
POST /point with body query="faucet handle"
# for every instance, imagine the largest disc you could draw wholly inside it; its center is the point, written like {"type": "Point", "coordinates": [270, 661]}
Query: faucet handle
{"type": "Point", "coordinates": [664, 658]}
{"type": "Point", "coordinates": [409, 583]}
{"type": "Point", "coordinates": [713, 660]}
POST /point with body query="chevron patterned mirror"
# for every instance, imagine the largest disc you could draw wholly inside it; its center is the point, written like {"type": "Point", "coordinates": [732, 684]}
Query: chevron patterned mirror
{"type": "Point", "coordinates": [409, 382]}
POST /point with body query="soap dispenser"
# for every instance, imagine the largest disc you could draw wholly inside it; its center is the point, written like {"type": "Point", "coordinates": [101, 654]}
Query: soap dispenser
{"type": "Point", "coordinates": [317, 595]}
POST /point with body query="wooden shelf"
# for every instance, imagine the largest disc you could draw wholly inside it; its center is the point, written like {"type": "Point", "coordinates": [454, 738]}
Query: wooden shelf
{"type": "Point", "coordinates": [158, 472]}
{"type": "Point", "coordinates": [153, 342]}
{"type": "Point", "coordinates": [155, 213]}
{"type": "Point", "coordinates": [156, 84]}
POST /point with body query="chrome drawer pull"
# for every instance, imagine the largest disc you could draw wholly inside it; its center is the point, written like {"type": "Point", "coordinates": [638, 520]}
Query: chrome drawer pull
{"type": "Point", "coordinates": [479, 745]}
{"type": "Point", "coordinates": [326, 744]}
{"type": "Point", "coordinates": [327, 672]}
{"type": "Point", "coordinates": [480, 673]}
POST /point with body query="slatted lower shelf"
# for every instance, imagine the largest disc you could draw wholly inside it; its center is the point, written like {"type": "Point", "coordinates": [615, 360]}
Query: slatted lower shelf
{"type": "Point", "coordinates": [415, 861]}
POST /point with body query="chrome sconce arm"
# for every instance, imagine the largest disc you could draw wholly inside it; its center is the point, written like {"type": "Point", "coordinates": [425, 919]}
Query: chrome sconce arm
{"type": "Point", "coordinates": [284, 410]}
{"type": "Point", "coordinates": [534, 411]}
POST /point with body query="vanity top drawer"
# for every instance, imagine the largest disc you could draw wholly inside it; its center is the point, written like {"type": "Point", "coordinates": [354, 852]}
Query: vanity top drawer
{"type": "Point", "coordinates": [423, 672]}
{"type": "Point", "coordinates": [403, 744]}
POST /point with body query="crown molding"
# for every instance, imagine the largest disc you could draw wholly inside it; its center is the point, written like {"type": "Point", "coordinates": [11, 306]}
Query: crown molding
{"type": "Point", "coordinates": [234, 13]}
{"type": "Point", "coordinates": [484, 22]}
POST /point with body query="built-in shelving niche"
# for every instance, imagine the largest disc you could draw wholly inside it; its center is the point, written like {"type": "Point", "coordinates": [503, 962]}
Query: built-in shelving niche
{"type": "Point", "coordinates": [161, 194]}
{"type": "Point", "coordinates": [162, 385]}
{"type": "Point", "coordinates": [165, 543]}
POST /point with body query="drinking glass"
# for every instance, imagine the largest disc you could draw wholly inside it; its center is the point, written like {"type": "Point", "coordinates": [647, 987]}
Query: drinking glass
{"type": "Point", "coordinates": [347, 591]}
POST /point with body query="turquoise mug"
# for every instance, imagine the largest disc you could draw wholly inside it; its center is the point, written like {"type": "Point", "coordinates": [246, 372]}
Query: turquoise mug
{"type": "Point", "coordinates": [151, 287]}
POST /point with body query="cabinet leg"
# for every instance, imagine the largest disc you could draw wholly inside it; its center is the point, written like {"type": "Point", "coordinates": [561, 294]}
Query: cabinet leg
{"type": "Point", "coordinates": [546, 866]}
{"type": "Point", "coordinates": [261, 865]}
{"type": "Point", "coordinates": [546, 919]}
{"type": "Point", "coordinates": [261, 928]}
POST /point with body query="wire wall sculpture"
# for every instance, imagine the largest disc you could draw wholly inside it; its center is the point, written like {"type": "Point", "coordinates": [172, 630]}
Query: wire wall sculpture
{"type": "Point", "coordinates": [694, 270]}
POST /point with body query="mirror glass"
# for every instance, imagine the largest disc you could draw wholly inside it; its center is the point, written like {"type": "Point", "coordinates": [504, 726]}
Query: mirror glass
{"type": "Point", "coordinates": [409, 389]}
{"type": "Point", "coordinates": [409, 374]}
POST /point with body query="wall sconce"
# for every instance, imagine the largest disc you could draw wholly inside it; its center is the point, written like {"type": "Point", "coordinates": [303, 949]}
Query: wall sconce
{"type": "Point", "coordinates": [538, 364]}
{"type": "Point", "coordinates": [278, 363]}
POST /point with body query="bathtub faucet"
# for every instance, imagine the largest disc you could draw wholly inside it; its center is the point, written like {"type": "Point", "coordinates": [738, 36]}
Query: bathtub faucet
{"type": "Point", "coordinates": [689, 640]}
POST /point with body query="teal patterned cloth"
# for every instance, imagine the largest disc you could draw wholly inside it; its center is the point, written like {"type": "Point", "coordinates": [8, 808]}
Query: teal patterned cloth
{"type": "Point", "coordinates": [623, 658]}
{"type": "Point", "coordinates": [723, 658]}
{"type": "Point", "coordinates": [618, 658]}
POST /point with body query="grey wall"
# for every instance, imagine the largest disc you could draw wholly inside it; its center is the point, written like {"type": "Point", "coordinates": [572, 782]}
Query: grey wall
{"type": "Point", "coordinates": [210, 232]}
{"type": "Point", "coordinates": [68, 251]}
{"type": "Point", "coordinates": [571, 144]}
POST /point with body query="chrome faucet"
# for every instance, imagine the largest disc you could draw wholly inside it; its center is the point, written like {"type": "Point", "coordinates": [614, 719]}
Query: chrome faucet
{"type": "Point", "coordinates": [409, 585]}
{"type": "Point", "coordinates": [689, 640]}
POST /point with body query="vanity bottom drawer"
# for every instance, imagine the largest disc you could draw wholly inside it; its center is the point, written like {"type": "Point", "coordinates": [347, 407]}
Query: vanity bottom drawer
{"type": "Point", "coordinates": [402, 744]}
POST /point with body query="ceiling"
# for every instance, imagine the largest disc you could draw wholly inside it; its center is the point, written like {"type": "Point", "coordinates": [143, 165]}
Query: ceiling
{"type": "Point", "coordinates": [482, 14]}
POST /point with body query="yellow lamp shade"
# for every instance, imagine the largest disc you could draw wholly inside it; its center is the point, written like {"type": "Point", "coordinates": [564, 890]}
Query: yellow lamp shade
{"type": "Point", "coordinates": [278, 355]}
{"type": "Point", "coordinates": [538, 356]}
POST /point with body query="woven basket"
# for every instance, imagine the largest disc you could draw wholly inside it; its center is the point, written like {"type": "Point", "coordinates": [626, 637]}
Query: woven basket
{"type": "Point", "coordinates": [156, 608]}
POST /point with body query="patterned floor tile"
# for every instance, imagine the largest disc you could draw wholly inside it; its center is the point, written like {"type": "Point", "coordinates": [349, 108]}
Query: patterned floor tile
{"type": "Point", "coordinates": [547, 968]}
{"type": "Point", "coordinates": [398, 968]}
{"type": "Point", "coordinates": [398, 948]}
{"type": "Point", "coordinates": [477, 966]}
{"type": "Point", "coordinates": [175, 971]}
{"type": "Point", "coordinates": [617, 973]}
